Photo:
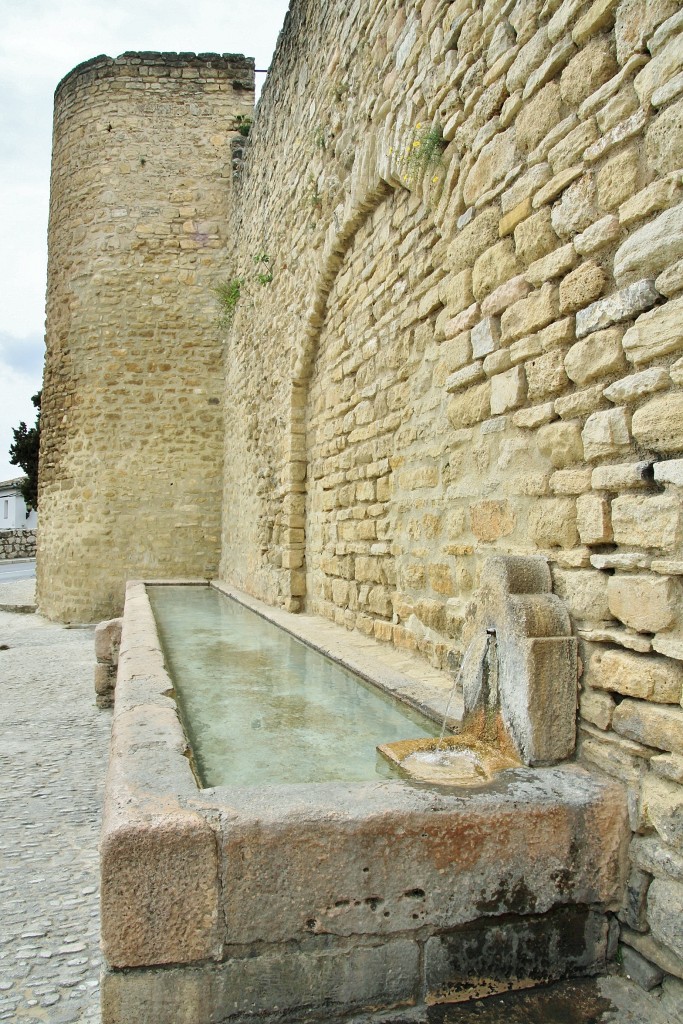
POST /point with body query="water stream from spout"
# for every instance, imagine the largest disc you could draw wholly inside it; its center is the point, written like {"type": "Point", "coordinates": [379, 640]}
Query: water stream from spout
{"type": "Point", "coordinates": [470, 652]}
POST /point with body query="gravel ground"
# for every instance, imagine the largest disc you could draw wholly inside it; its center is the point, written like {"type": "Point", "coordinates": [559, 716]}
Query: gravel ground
{"type": "Point", "coordinates": [53, 754]}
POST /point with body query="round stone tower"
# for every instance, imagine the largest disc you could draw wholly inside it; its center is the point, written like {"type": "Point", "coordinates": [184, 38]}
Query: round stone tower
{"type": "Point", "coordinates": [131, 451]}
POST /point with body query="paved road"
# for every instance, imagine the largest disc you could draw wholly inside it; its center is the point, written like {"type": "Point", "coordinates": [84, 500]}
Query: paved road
{"type": "Point", "coordinates": [53, 750]}
{"type": "Point", "coordinates": [19, 570]}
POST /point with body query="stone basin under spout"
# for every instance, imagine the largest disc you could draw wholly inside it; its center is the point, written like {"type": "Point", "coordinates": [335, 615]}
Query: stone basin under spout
{"type": "Point", "coordinates": [518, 679]}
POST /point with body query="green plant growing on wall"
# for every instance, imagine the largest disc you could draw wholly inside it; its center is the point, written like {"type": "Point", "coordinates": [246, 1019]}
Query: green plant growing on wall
{"type": "Point", "coordinates": [243, 124]}
{"type": "Point", "coordinates": [264, 275]}
{"type": "Point", "coordinates": [313, 195]}
{"type": "Point", "coordinates": [320, 136]}
{"type": "Point", "coordinates": [228, 295]}
{"type": "Point", "coordinates": [424, 156]}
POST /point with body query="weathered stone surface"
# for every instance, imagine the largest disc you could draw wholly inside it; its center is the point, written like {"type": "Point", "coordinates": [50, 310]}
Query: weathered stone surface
{"type": "Point", "coordinates": [600, 15]}
{"type": "Point", "coordinates": [621, 305]}
{"type": "Point", "coordinates": [640, 970]}
{"type": "Point", "coordinates": [626, 129]}
{"type": "Point", "coordinates": [485, 337]}
{"type": "Point", "coordinates": [584, 591]}
{"type": "Point", "coordinates": [511, 291]}
{"type": "Point", "coordinates": [491, 520]}
{"type": "Point", "coordinates": [637, 675]}
{"type": "Point", "coordinates": [651, 248]}
{"type": "Point", "coordinates": [552, 523]}
{"type": "Point", "coordinates": [168, 866]}
{"type": "Point", "coordinates": [577, 209]}
{"type": "Point", "coordinates": [108, 641]}
{"type": "Point", "coordinates": [634, 908]}
{"type": "Point", "coordinates": [628, 561]}
{"type": "Point", "coordinates": [518, 213]}
{"type": "Point", "coordinates": [545, 375]}
{"type": "Point", "coordinates": [622, 477]}
{"type": "Point", "coordinates": [537, 310]}
{"type": "Point", "coordinates": [472, 241]}
{"type": "Point", "coordinates": [561, 443]}
{"type": "Point", "coordinates": [659, 424]}
{"type": "Point", "coordinates": [593, 519]}
{"type": "Point", "coordinates": [637, 385]}
{"type": "Point", "coordinates": [669, 472]}
{"type": "Point", "coordinates": [669, 644]}
{"type": "Point", "coordinates": [663, 140]}
{"type": "Point", "coordinates": [508, 390]}
{"type": "Point", "coordinates": [535, 237]}
{"type": "Point", "coordinates": [565, 153]}
{"type": "Point", "coordinates": [649, 854]}
{"type": "Point", "coordinates": [636, 21]}
{"type": "Point", "coordinates": [570, 481]}
{"type": "Point", "coordinates": [580, 403]}
{"type": "Point", "coordinates": [615, 635]}
{"type": "Point", "coordinates": [492, 164]}
{"type": "Point", "coordinates": [663, 66]}
{"type": "Point", "coordinates": [555, 264]}
{"type": "Point", "coordinates": [665, 912]}
{"type": "Point", "coordinates": [471, 407]}
{"type": "Point", "coordinates": [587, 71]}
{"type": "Point", "coordinates": [536, 416]}
{"type": "Point", "coordinates": [605, 434]}
{"type": "Point", "coordinates": [648, 521]}
{"type": "Point", "coordinates": [464, 378]}
{"type": "Point", "coordinates": [556, 185]}
{"type": "Point", "coordinates": [598, 355]}
{"type": "Point", "coordinates": [668, 766]}
{"type": "Point", "coordinates": [538, 116]}
{"type": "Point", "coordinates": [654, 725]}
{"type": "Point", "coordinates": [645, 603]}
{"type": "Point", "coordinates": [657, 333]}
{"type": "Point", "coordinates": [604, 232]}
{"type": "Point", "coordinates": [655, 953]}
{"type": "Point", "coordinates": [655, 197]}
{"type": "Point", "coordinates": [596, 707]}
{"type": "Point", "coordinates": [455, 291]}
{"type": "Point", "coordinates": [582, 286]}
{"type": "Point", "coordinates": [670, 282]}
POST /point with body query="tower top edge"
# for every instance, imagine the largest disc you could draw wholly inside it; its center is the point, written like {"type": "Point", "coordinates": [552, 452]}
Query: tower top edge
{"type": "Point", "coordinates": [235, 63]}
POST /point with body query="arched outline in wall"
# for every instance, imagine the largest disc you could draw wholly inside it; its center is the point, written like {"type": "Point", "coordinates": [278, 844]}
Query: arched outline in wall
{"type": "Point", "coordinates": [376, 173]}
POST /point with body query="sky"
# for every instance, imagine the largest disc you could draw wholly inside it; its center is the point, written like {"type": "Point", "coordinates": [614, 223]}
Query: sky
{"type": "Point", "coordinates": [40, 41]}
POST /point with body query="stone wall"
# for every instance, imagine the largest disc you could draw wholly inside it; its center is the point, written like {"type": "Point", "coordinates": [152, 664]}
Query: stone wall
{"type": "Point", "coordinates": [471, 343]}
{"type": "Point", "coordinates": [130, 475]}
{"type": "Point", "coordinates": [17, 544]}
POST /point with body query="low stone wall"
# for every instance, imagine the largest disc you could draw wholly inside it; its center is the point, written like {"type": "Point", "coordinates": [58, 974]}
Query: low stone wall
{"type": "Point", "coordinates": [17, 544]}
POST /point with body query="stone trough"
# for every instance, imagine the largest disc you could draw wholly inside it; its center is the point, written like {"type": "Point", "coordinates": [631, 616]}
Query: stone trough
{"type": "Point", "coordinates": [326, 899]}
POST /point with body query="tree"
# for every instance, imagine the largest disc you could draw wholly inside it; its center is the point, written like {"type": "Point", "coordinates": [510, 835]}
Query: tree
{"type": "Point", "coordinates": [24, 453]}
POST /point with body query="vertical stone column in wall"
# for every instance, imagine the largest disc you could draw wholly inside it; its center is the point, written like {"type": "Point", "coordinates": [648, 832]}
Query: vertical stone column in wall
{"type": "Point", "coordinates": [131, 458]}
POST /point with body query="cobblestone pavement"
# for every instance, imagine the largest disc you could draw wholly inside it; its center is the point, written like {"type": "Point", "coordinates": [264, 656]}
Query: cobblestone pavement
{"type": "Point", "coordinates": [53, 750]}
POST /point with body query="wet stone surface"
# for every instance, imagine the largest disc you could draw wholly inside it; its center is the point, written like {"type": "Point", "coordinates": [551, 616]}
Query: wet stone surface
{"type": "Point", "coordinates": [53, 754]}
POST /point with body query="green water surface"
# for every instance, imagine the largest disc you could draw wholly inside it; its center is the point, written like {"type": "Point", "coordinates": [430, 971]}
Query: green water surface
{"type": "Point", "coordinates": [259, 706]}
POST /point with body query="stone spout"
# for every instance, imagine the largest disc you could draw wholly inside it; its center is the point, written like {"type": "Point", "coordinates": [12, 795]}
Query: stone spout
{"type": "Point", "coordinates": [520, 683]}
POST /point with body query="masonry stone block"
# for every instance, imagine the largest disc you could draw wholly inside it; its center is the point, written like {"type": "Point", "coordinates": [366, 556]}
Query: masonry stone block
{"type": "Point", "coordinates": [645, 603]}
{"type": "Point", "coordinates": [593, 519]}
{"type": "Point", "coordinates": [508, 390]}
{"type": "Point", "coordinates": [606, 434]}
{"type": "Point", "coordinates": [659, 424]}
{"type": "Point", "coordinates": [647, 521]}
{"type": "Point", "coordinates": [598, 355]}
{"type": "Point", "coordinates": [637, 675]}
